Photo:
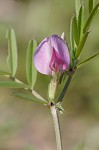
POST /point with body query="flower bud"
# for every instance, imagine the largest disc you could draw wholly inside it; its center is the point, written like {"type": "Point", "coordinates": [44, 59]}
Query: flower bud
{"type": "Point", "coordinates": [52, 55]}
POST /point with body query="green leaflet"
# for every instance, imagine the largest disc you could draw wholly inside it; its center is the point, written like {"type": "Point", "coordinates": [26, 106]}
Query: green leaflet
{"type": "Point", "coordinates": [81, 44]}
{"type": "Point", "coordinates": [71, 35]}
{"type": "Point", "coordinates": [87, 60]}
{"type": "Point", "coordinates": [91, 5]}
{"type": "Point", "coordinates": [74, 36]}
{"type": "Point", "coordinates": [81, 22]}
{"type": "Point", "coordinates": [76, 31]}
{"type": "Point", "coordinates": [31, 71]}
{"type": "Point", "coordinates": [12, 84]}
{"type": "Point", "coordinates": [89, 20]}
{"type": "Point", "coordinates": [77, 7]}
{"type": "Point", "coordinates": [29, 97]}
{"type": "Point", "coordinates": [12, 51]}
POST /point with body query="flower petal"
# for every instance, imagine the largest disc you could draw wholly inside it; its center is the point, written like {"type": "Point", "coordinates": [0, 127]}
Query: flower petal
{"type": "Point", "coordinates": [42, 57]}
{"type": "Point", "coordinates": [56, 63]}
{"type": "Point", "coordinates": [60, 46]}
{"type": "Point", "coordinates": [46, 60]}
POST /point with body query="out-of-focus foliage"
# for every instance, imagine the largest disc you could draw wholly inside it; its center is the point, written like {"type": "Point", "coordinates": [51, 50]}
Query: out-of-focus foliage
{"type": "Point", "coordinates": [25, 123]}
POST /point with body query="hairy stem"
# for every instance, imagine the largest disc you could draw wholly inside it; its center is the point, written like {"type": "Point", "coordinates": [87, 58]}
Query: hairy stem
{"type": "Point", "coordinates": [55, 116]}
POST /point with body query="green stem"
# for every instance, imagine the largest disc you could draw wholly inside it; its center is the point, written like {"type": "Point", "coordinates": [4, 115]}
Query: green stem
{"type": "Point", "coordinates": [60, 99]}
{"type": "Point", "coordinates": [55, 116]}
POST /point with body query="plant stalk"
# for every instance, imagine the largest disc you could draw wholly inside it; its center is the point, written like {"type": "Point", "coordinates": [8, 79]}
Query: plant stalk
{"type": "Point", "coordinates": [60, 99]}
{"type": "Point", "coordinates": [54, 112]}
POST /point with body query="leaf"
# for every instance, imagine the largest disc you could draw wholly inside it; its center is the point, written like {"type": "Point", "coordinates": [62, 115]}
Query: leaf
{"type": "Point", "coordinates": [74, 37]}
{"type": "Point", "coordinates": [29, 97]}
{"type": "Point", "coordinates": [12, 51]}
{"type": "Point", "coordinates": [77, 6]}
{"type": "Point", "coordinates": [81, 21]}
{"type": "Point", "coordinates": [31, 71]}
{"type": "Point", "coordinates": [12, 84]}
{"type": "Point", "coordinates": [81, 44]}
{"type": "Point", "coordinates": [87, 60]}
{"type": "Point", "coordinates": [71, 35]}
{"type": "Point", "coordinates": [4, 72]}
{"type": "Point", "coordinates": [89, 20]}
{"type": "Point", "coordinates": [91, 5]}
{"type": "Point", "coordinates": [75, 32]}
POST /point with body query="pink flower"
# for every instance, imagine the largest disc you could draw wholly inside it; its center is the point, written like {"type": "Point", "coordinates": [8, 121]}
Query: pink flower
{"type": "Point", "coordinates": [52, 55]}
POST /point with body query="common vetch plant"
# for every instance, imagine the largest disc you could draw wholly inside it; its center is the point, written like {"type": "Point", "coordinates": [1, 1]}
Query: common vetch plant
{"type": "Point", "coordinates": [54, 58]}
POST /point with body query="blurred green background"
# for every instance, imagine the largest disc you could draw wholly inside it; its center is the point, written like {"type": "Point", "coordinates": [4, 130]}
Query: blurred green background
{"type": "Point", "coordinates": [26, 125]}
